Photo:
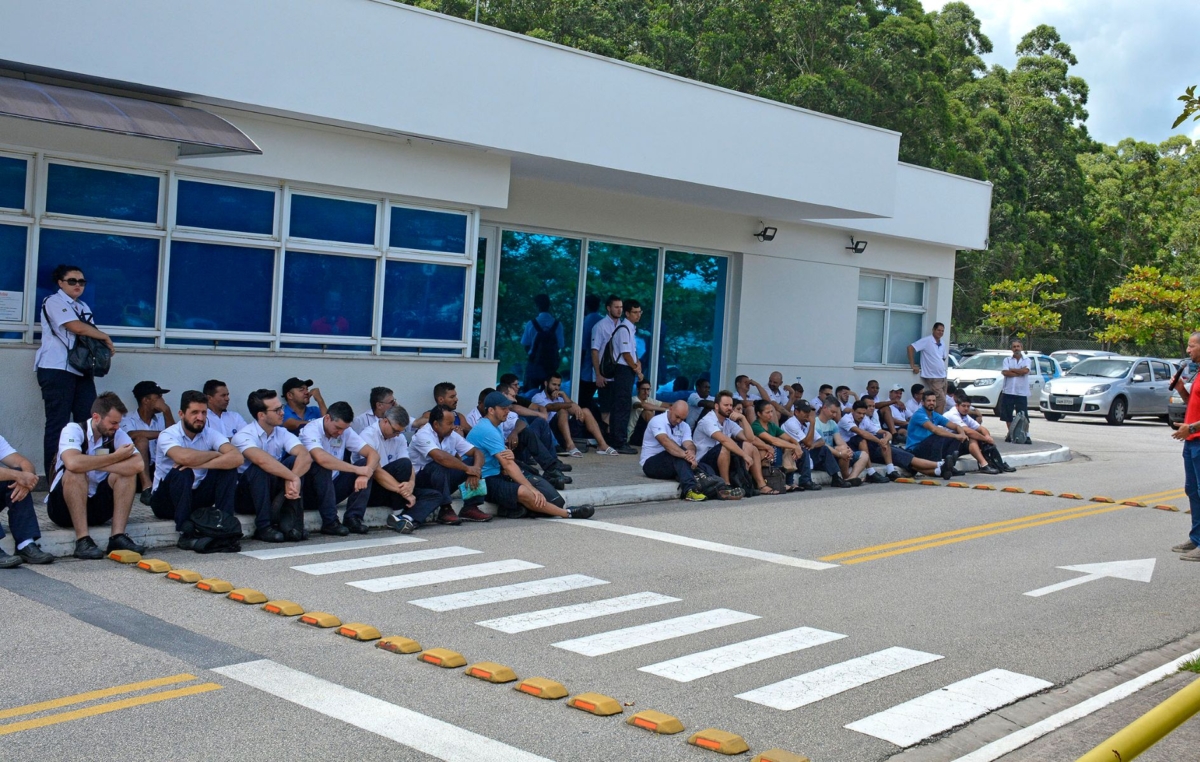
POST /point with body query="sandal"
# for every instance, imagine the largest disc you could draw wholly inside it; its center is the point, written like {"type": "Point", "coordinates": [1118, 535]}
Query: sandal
{"type": "Point", "coordinates": [792, 488]}
{"type": "Point", "coordinates": [574, 453]}
{"type": "Point", "coordinates": [765, 490]}
{"type": "Point", "coordinates": [609, 451]}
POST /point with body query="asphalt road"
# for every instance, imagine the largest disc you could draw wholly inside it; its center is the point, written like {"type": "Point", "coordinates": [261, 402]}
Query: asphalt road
{"type": "Point", "coordinates": [942, 599]}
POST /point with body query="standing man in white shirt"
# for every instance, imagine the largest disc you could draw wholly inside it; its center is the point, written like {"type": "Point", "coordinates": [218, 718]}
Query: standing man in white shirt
{"type": "Point", "coordinates": [195, 467]}
{"type": "Point", "coordinates": [331, 478]}
{"type": "Point", "coordinates": [1014, 395]}
{"type": "Point", "coordinates": [628, 373]}
{"type": "Point", "coordinates": [393, 484]}
{"type": "Point", "coordinates": [276, 463]}
{"type": "Point", "coordinates": [382, 399]}
{"type": "Point", "coordinates": [18, 478]}
{"type": "Point", "coordinates": [143, 426]}
{"type": "Point", "coordinates": [932, 369]}
{"type": "Point", "coordinates": [221, 419]}
{"type": "Point", "coordinates": [668, 451]}
{"type": "Point", "coordinates": [94, 478]}
{"type": "Point", "coordinates": [602, 331]}
{"type": "Point", "coordinates": [439, 457]}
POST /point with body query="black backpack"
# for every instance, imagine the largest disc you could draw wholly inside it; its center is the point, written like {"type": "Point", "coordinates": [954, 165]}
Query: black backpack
{"type": "Point", "coordinates": [544, 352]}
{"type": "Point", "coordinates": [608, 363]}
{"type": "Point", "coordinates": [288, 517]}
{"type": "Point", "coordinates": [208, 530]}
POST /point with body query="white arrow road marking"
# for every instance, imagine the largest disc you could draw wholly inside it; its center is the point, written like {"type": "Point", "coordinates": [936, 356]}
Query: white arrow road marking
{"type": "Point", "coordinates": [1137, 571]}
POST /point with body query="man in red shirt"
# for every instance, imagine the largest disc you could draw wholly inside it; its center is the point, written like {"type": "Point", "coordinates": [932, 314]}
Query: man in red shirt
{"type": "Point", "coordinates": [1189, 434]}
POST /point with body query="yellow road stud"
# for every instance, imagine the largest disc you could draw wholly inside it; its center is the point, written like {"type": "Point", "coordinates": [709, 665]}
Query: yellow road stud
{"type": "Point", "coordinates": [985, 487]}
{"type": "Point", "coordinates": [399, 645]}
{"type": "Point", "coordinates": [319, 619]}
{"type": "Point", "coordinates": [657, 722]}
{"type": "Point", "coordinates": [491, 672]}
{"type": "Point", "coordinates": [1134, 503]}
{"type": "Point", "coordinates": [283, 608]}
{"type": "Point", "coordinates": [1014, 490]}
{"type": "Point", "coordinates": [1167, 508]}
{"type": "Point", "coordinates": [125, 556]}
{"type": "Point", "coordinates": [184, 575]}
{"type": "Point", "coordinates": [1071, 495]}
{"type": "Point", "coordinates": [154, 566]}
{"type": "Point", "coordinates": [960, 485]}
{"type": "Point", "coordinates": [1102, 499]}
{"type": "Point", "coordinates": [443, 657]}
{"type": "Point", "coordinates": [1042, 492]}
{"type": "Point", "coordinates": [596, 703]}
{"type": "Point", "coordinates": [246, 595]}
{"type": "Point", "coordinates": [720, 741]}
{"type": "Point", "coordinates": [929, 482]}
{"type": "Point", "coordinates": [905, 480]}
{"type": "Point", "coordinates": [542, 687]}
{"type": "Point", "coordinates": [778, 755]}
{"type": "Point", "coordinates": [214, 585]}
{"type": "Point", "coordinates": [359, 631]}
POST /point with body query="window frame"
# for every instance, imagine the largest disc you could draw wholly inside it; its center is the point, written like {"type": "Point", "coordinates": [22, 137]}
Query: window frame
{"type": "Point", "coordinates": [402, 252]}
{"type": "Point", "coordinates": [212, 235]}
{"type": "Point", "coordinates": [887, 307]}
{"type": "Point", "coordinates": [163, 177]}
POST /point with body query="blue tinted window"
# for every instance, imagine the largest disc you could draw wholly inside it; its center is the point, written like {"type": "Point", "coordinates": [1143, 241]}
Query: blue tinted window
{"type": "Point", "coordinates": [12, 257]}
{"type": "Point", "coordinates": [101, 193]}
{"type": "Point", "coordinates": [12, 182]}
{"type": "Point", "coordinates": [220, 288]}
{"type": "Point", "coordinates": [328, 295]}
{"type": "Point", "coordinates": [423, 301]}
{"type": "Point", "coordinates": [218, 343]}
{"type": "Point", "coordinates": [328, 347]}
{"type": "Point", "coordinates": [331, 219]}
{"type": "Point", "coordinates": [693, 309]}
{"type": "Point", "coordinates": [225, 207]}
{"type": "Point", "coordinates": [121, 273]}
{"type": "Point", "coordinates": [430, 231]}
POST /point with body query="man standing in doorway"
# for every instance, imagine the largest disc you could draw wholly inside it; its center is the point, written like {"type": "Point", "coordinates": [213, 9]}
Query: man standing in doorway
{"type": "Point", "coordinates": [542, 339]}
{"type": "Point", "coordinates": [602, 331]}
{"type": "Point", "coordinates": [629, 371]}
{"type": "Point", "coordinates": [1014, 395]}
{"type": "Point", "coordinates": [1189, 434]}
{"type": "Point", "coordinates": [587, 374]}
{"type": "Point", "coordinates": [933, 363]}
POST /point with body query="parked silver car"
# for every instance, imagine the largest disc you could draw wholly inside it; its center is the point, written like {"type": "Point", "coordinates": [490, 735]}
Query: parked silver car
{"type": "Point", "coordinates": [1116, 387]}
{"type": "Point", "coordinates": [1069, 358]}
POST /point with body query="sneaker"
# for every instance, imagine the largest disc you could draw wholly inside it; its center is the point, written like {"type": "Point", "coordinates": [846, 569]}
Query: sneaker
{"type": "Point", "coordinates": [607, 451]}
{"type": "Point", "coordinates": [33, 554]}
{"type": "Point", "coordinates": [581, 512]}
{"type": "Point", "coordinates": [810, 486]}
{"type": "Point", "coordinates": [1191, 555]}
{"type": "Point", "coordinates": [86, 549]}
{"type": "Point", "coordinates": [355, 525]}
{"type": "Point", "coordinates": [892, 475]}
{"type": "Point", "coordinates": [1184, 547]}
{"type": "Point", "coordinates": [269, 534]}
{"type": "Point", "coordinates": [8, 562]}
{"type": "Point", "coordinates": [574, 453]}
{"type": "Point", "coordinates": [473, 513]}
{"type": "Point", "coordinates": [730, 493]}
{"type": "Point", "coordinates": [692, 496]}
{"type": "Point", "coordinates": [335, 529]}
{"type": "Point", "coordinates": [989, 469]}
{"type": "Point", "coordinates": [124, 542]}
{"type": "Point", "coordinates": [400, 523]}
{"type": "Point", "coordinates": [878, 478]}
{"type": "Point", "coordinates": [145, 496]}
{"type": "Point", "coordinates": [626, 450]}
{"type": "Point", "coordinates": [447, 516]}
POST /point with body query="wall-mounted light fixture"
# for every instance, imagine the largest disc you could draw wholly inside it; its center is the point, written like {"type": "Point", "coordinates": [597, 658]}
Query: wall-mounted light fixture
{"type": "Point", "coordinates": [858, 247]}
{"type": "Point", "coordinates": [767, 233]}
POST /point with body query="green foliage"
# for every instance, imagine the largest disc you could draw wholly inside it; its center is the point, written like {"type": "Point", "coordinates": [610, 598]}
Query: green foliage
{"type": "Point", "coordinates": [1150, 307]}
{"type": "Point", "coordinates": [1191, 105]}
{"type": "Point", "coordinates": [1025, 306]}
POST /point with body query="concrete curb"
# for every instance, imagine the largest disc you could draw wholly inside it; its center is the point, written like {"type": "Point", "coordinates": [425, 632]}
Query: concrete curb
{"type": "Point", "coordinates": [162, 534]}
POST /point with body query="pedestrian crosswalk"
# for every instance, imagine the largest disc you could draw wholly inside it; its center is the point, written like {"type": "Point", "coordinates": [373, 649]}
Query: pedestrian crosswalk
{"type": "Point", "coordinates": [905, 724]}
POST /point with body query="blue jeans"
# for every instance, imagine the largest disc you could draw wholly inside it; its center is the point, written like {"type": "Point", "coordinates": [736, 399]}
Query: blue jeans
{"type": "Point", "coordinates": [1191, 483]}
{"type": "Point", "coordinates": [21, 518]}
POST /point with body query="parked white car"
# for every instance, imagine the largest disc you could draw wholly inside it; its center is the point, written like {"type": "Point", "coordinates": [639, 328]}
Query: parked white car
{"type": "Point", "coordinates": [979, 376]}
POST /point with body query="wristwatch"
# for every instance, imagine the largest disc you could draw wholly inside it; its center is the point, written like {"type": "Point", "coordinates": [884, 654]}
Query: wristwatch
{"type": "Point", "coordinates": [1191, 428]}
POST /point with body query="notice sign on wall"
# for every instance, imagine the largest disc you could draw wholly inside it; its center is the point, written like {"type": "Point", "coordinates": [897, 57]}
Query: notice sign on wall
{"type": "Point", "coordinates": [11, 303]}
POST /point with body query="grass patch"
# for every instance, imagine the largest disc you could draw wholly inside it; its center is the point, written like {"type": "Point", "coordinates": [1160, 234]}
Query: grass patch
{"type": "Point", "coordinates": [1190, 666]}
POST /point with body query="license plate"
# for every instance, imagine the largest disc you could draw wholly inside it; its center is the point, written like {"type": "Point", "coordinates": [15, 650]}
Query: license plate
{"type": "Point", "coordinates": [1064, 400]}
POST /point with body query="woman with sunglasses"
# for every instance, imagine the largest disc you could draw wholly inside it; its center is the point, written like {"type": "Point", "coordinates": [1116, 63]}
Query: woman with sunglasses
{"type": "Point", "coordinates": [67, 393]}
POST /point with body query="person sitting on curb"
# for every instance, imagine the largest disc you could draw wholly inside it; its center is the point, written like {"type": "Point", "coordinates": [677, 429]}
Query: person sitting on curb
{"type": "Point", "coordinates": [329, 480]}
{"type": "Point", "coordinates": [554, 401]}
{"type": "Point", "coordinates": [645, 408]}
{"type": "Point", "coordinates": [439, 456]}
{"type": "Point", "coordinates": [932, 436]}
{"type": "Point", "coordinates": [700, 402]}
{"type": "Point", "coordinates": [669, 453]}
{"type": "Point", "coordinates": [297, 413]}
{"type": "Point", "coordinates": [799, 427]}
{"type": "Point", "coordinates": [893, 414]}
{"type": "Point", "coordinates": [220, 418]}
{"type": "Point", "coordinates": [381, 399]}
{"type": "Point", "coordinates": [394, 482]}
{"type": "Point", "coordinates": [723, 434]}
{"type": "Point", "coordinates": [446, 395]}
{"type": "Point", "coordinates": [510, 489]}
{"type": "Point", "coordinates": [865, 435]}
{"type": "Point", "coordinates": [787, 452]}
{"type": "Point", "coordinates": [143, 426]}
{"type": "Point", "coordinates": [528, 447]}
{"type": "Point", "coordinates": [980, 443]}
{"type": "Point", "coordinates": [275, 466]}
{"type": "Point", "coordinates": [18, 478]}
{"type": "Point", "coordinates": [843, 464]}
{"type": "Point", "coordinates": [846, 397]}
{"type": "Point", "coordinates": [824, 392]}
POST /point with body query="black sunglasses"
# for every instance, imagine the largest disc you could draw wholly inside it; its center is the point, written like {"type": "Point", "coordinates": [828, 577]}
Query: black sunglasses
{"type": "Point", "coordinates": [75, 281]}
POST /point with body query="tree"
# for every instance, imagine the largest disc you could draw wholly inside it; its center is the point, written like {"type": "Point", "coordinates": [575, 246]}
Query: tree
{"type": "Point", "coordinates": [1191, 105]}
{"type": "Point", "coordinates": [1025, 306]}
{"type": "Point", "coordinates": [1151, 309]}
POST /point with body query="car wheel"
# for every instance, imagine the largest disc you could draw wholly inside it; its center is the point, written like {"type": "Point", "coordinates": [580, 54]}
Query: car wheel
{"type": "Point", "coordinates": [1053, 416]}
{"type": "Point", "coordinates": [1166, 419]}
{"type": "Point", "coordinates": [1116, 413]}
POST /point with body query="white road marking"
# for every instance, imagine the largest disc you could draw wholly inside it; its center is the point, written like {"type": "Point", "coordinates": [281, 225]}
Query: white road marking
{"type": "Point", "coordinates": [535, 620]}
{"type": "Point", "coordinates": [388, 559]}
{"type": "Point", "coordinates": [1137, 571]}
{"type": "Point", "coordinates": [452, 574]}
{"type": "Point", "coordinates": [692, 542]}
{"type": "Point", "coordinates": [705, 663]}
{"type": "Point", "coordinates": [268, 554]}
{"type": "Point", "coordinates": [508, 592]}
{"type": "Point", "coordinates": [829, 681]}
{"type": "Point", "coordinates": [654, 632]}
{"type": "Point", "coordinates": [438, 739]}
{"type": "Point", "coordinates": [957, 704]}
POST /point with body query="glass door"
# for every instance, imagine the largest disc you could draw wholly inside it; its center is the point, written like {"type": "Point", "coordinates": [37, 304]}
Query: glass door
{"type": "Point", "coordinates": [630, 272]}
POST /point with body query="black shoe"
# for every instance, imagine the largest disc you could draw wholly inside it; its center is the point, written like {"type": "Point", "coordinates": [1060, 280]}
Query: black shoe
{"type": "Point", "coordinates": [892, 475]}
{"type": "Point", "coordinates": [557, 480]}
{"type": "Point", "coordinates": [838, 481]}
{"type": "Point", "coordinates": [856, 482]}
{"type": "Point", "coordinates": [1006, 468]}
{"type": "Point", "coordinates": [1008, 437]}
{"type": "Point", "coordinates": [878, 478]}
{"type": "Point", "coordinates": [145, 496]}
{"type": "Point", "coordinates": [402, 524]}
{"type": "Point", "coordinates": [355, 525]}
{"type": "Point", "coordinates": [511, 513]}
{"type": "Point", "coordinates": [947, 468]}
{"type": "Point", "coordinates": [989, 470]}
{"type": "Point", "coordinates": [810, 486]}
{"type": "Point", "coordinates": [565, 467]}
{"type": "Point", "coordinates": [124, 542]}
{"type": "Point", "coordinates": [581, 512]}
{"type": "Point", "coordinates": [335, 529]}
{"type": "Point", "coordinates": [8, 562]}
{"type": "Point", "coordinates": [86, 549]}
{"type": "Point", "coordinates": [626, 450]}
{"type": "Point", "coordinates": [33, 554]}
{"type": "Point", "coordinates": [269, 534]}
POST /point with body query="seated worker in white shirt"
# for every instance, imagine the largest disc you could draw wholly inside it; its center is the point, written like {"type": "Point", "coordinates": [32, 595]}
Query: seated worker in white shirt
{"type": "Point", "coordinates": [980, 443]}
{"type": "Point", "coordinates": [864, 434]}
{"type": "Point", "coordinates": [846, 397]}
{"type": "Point", "coordinates": [871, 391]}
{"type": "Point", "coordinates": [221, 419]}
{"type": "Point", "coordinates": [699, 402]}
{"type": "Point", "coordinates": [382, 399]}
{"type": "Point", "coordinates": [561, 410]}
{"type": "Point", "coordinates": [824, 392]}
{"type": "Point", "coordinates": [668, 451]}
{"type": "Point", "coordinates": [196, 467]}
{"type": "Point", "coordinates": [393, 484]}
{"type": "Point", "coordinates": [18, 478]}
{"type": "Point", "coordinates": [844, 464]}
{"type": "Point", "coordinates": [645, 408]}
{"type": "Point", "coordinates": [915, 401]}
{"type": "Point", "coordinates": [276, 463]}
{"type": "Point", "coordinates": [331, 478]}
{"type": "Point", "coordinates": [893, 413]}
{"type": "Point", "coordinates": [439, 456]}
{"type": "Point", "coordinates": [528, 447]}
{"type": "Point", "coordinates": [446, 395]}
{"type": "Point", "coordinates": [798, 426]}
{"type": "Point", "coordinates": [143, 426]}
{"type": "Point", "coordinates": [724, 434]}
{"type": "Point", "coordinates": [95, 478]}
{"type": "Point", "coordinates": [776, 393]}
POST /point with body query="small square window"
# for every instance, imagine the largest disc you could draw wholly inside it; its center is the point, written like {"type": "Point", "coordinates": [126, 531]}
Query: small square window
{"type": "Point", "coordinates": [428, 231]}
{"type": "Point", "coordinates": [12, 182]}
{"type": "Point", "coordinates": [225, 207]}
{"type": "Point", "coordinates": [220, 288]}
{"type": "Point", "coordinates": [332, 219]}
{"type": "Point", "coordinates": [121, 273]}
{"type": "Point", "coordinates": [872, 289]}
{"type": "Point", "coordinates": [328, 295]}
{"type": "Point", "coordinates": [423, 301]}
{"type": "Point", "coordinates": [87, 192]}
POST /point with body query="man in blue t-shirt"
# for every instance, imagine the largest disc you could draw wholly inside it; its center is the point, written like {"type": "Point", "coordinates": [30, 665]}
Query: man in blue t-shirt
{"type": "Point", "coordinates": [933, 436]}
{"type": "Point", "coordinates": [511, 490]}
{"type": "Point", "coordinates": [296, 410]}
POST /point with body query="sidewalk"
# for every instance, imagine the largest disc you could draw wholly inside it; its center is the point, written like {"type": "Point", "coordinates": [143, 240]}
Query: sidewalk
{"type": "Point", "coordinates": [601, 481]}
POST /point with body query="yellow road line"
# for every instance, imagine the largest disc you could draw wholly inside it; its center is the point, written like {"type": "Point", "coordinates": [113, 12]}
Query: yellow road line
{"type": "Point", "coordinates": [112, 706]}
{"type": "Point", "coordinates": [79, 698]}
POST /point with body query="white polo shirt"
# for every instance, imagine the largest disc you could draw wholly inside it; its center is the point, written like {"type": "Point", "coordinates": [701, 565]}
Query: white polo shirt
{"type": "Point", "coordinates": [912, 406]}
{"type": "Point", "coordinates": [363, 420]}
{"type": "Point", "coordinates": [313, 437]}
{"type": "Point", "coordinates": [661, 424]}
{"type": "Point", "coordinates": [72, 438]}
{"type": "Point", "coordinates": [694, 409]}
{"type": "Point", "coordinates": [780, 397]}
{"type": "Point", "coordinates": [1017, 385]}
{"type": "Point", "coordinates": [56, 340]}
{"type": "Point", "coordinates": [543, 399]}
{"type": "Point", "coordinates": [602, 331]}
{"type": "Point", "coordinates": [390, 450]}
{"type": "Point", "coordinates": [176, 436]}
{"type": "Point", "coordinates": [426, 441]}
{"type": "Point", "coordinates": [953, 416]}
{"type": "Point", "coordinates": [708, 425]}
{"type": "Point", "coordinates": [227, 424]}
{"type": "Point", "coordinates": [506, 428]}
{"type": "Point", "coordinates": [279, 443]}
{"type": "Point", "coordinates": [131, 421]}
{"type": "Point", "coordinates": [625, 341]}
{"type": "Point", "coordinates": [933, 356]}
{"type": "Point", "coordinates": [6, 449]}
{"type": "Point", "coordinates": [899, 412]}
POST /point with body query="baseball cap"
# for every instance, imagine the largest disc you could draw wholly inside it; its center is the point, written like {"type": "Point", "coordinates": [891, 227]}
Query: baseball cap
{"type": "Point", "coordinates": [496, 399]}
{"type": "Point", "coordinates": [897, 387]}
{"type": "Point", "coordinates": [802, 406]}
{"type": "Point", "coordinates": [295, 383]}
{"type": "Point", "coordinates": [146, 388]}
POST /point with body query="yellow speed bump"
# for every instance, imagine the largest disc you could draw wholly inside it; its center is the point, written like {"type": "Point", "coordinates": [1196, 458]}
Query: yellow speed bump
{"type": "Point", "coordinates": [1013, 490]}
{"type": "Point", "coordinates": [778, 755]}
{"type": "Point", "coordinates": [399, 645]}
{"type": "Point", "coordinates": [443, 657]}
{"type": "Point", "coordinates": [125, 556]}
{"type": "Point", "coordinates": [985, 487]}
{"type": "Point", "coordinates": [154, 566]}
{"type": "Point", "coordinates": [214, 585]}
{"type": "Point", "coordinates": [319, 619]}
{"type": "Point", "coordinates": [246, 595]}
{"type": "Point", "coordinates": [359, 631]}
{"type": "Point", "coordinates": [1134, 503]}
{"type": "Point", "coordinates": [596, 703]}
{"type": "Point", "coordinates": [928, 483]}
{"type": "Point", "coordinates": [959, 485]}
{"type": "Point", "coordinates": [491, 672]}
{"type": "Point", "coordinates": [905, 480]}
{"type": "Point", "coordinates": [1102, 499]}
{"type": "Point", "coordinates": [1042, 492]}
{"type": "Point", "coordinates": [657, 722]}
{"type": "Point", "coordinates": [1166, 508]}
{"type": "Point", "coordinates": [1071, 495]}
{"type": "Point", "coordinates": [542, 687]}
{"type": "Point", "coordinates": [283, 608]}
{"type": "Point", "coordinates": [184, 575]}
{"type": "Point", "coordinates": [720, 741]}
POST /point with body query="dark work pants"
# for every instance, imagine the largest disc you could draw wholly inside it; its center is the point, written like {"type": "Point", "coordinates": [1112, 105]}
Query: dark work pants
{"type": "Point", "coordinates": [444, 480]}
{"type": "Point", "coordinates": [936, 448]}
{"type": "Point", "coordinates": [427, 500]}
{"type": "Point", "coordinates": [67, 397]}
{"type": "Point", "coordinates": [541, 429]}
{"type": "Point", "coordinates": [21, 518]}
{"type": "Point", "coordinates": [587, 394]}
{"type": "Point", "coordinates": [622, 406]}
{"type": "Point", "coordinates": [823, 458]}
{"type": "Point", "coordinates": [901, 458]}
{"type": "Point", "coordinates": [255, 491]}
{"type": "Point", "coordinates": [323, 492]}
{"type": "Point", "coordinates": [664, 465]}
{"type": "Point", "coordinates": [530, 447]}
{"type": "Point", "coordinates": [175, 499]}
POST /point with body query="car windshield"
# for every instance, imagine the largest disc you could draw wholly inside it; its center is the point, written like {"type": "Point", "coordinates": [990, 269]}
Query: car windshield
{"type": "Point", "coordinates": [983, 362]}
{"type": "Point", "coordinates": [1101, 366]}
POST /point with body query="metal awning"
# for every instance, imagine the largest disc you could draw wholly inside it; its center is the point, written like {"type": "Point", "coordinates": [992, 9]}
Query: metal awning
{"type": "Point", "coordinates": [196, 131]}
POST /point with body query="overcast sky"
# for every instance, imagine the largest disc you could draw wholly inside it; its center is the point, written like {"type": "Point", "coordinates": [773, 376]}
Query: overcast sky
{"type": "Point", "coordinates": [1136, 56]}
